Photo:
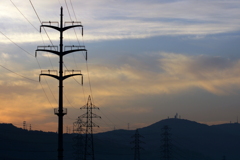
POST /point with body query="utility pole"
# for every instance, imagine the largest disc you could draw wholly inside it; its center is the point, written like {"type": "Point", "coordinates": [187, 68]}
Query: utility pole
{"type": "Point", "coordinates": [137, 147]}
{"type": "Point", "coordinates": [166, 143]}
{"type": "Point", "coordinates": [60, 111]}
{"type": "Point", "coordinates": [89, 148]}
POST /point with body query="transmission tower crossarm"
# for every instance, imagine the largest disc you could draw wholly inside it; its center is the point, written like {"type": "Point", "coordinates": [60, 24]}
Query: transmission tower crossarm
{"type": "Point", "coordinates": [58, 53]}
{"type": "Point", "coordinates": [86, 124]}
{"type": "Point", "coordinates": [72, 26]}
{"type": "Point", "coordinates": [53, 27]}
{"type": "Point", "coordinates": [86, 107]}
{"type": "Point", "coordinates": [71, 75]}
{"type": "Point", "coordinates": [47, 50]}
{"type": "Point", "coordinates": [58, 78]}
{"type": "Point", "coordinates": [75, 50]}
{"type": "Point", "coordinates": [50, 75]}
{"type": "Point", "coordinates": [93, 115]}
{"type": "Point", "coordinates": [61, 29]}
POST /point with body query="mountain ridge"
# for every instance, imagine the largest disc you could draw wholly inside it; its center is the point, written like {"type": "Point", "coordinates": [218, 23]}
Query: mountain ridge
{"type": "Point", "coordinates": [190, 140]}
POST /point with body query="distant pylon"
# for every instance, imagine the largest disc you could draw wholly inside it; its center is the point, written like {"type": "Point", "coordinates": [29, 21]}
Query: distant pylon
{"type": "Point", "coordinates": [24, 125]}
{"type": "Point", "coordinates": [89, 147]}
{"type": "Point", "coordinates": [137, 147]}
{"type": "Point", "coordinates": [78, 143]}
{"type": "Point", "coordinates": [166, 143]}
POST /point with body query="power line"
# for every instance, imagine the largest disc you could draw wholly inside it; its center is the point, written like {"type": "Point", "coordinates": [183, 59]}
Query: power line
{"type": "Point", "coordinates": [18, 74]}
{"type": "Point", "coordinates": [60, 111]}
{"type": "Point", "coordinates": [16, 44]}
{"type": "Point", "coordinates": [73, 10]}
{"type": "Point", "coordinates": [79, 44]}
{"type": "Point", "coordinates": [27, 53]}
{"type": "Point", "coordinates": [77, 83]}
{"type": "Point", "coordinates": [68, 10]}
{"type": "Point", "coordinates": [28, 79]}
{"type": "Point", "coordinates": [23, 15]}
{"type": "Point", "coordinates": [42, 40]}
{"type": "Point", "coordinates": [41, 22]}
{"type": "Point", "coordinates": [50, 60]}
{"type": "Point", "coordinates": [50, 40]}
{"type": "Point", "coordinates": [89, 81]}
{"type": "Point", "coordinates": [47, 84]}
{"type": "Point", "coordinates": [74, 31]}
{"type": "Point", "coordinates": [72, 20]}
{"type": "Point", "coordinates": [31, 25]}
{"type": "Point", "coordinates": [46, 95]}
{"type": "Point", "coordinates": [75, 17]}
{"type": "Point", "coordinates": [48, 57]}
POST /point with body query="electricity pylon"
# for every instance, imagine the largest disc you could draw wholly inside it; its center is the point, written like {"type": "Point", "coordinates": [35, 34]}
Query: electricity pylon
{"type": "Point", "coordinates": [137, 147]}
{"type": "Point", "coordinates": [166, 143]}
{"type": "Point", "coordinates": [60, 111]}
{"type": "Point", "coordinates": [89, 115]}
{"type": "Point", "coordinates": [78, 139]}
{"type": "Point", "coordinates": [24, 125]}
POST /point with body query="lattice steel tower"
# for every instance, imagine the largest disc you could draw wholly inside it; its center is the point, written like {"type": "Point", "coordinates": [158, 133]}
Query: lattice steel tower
{"type": "Point", "coordinates": [78, 140]}
{"type": "Point", "coordinates": [60, 111]}
{"type": "Point", "coordinates": [137, 146]}
{"type": "Point", "coordinates": [89, 115]}
{"type": "Point", "coordinates": [166, 143]}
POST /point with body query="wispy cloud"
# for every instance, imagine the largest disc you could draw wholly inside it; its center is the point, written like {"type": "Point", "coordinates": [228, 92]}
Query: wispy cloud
{"type": "Point", "coordinates": [170, 74]}
{"type": "Point", "coordinates": [168, 69]}
{"type": "Point", "coordinates": [158, 73]}
{"type": "Point", "coordinates": [105, 20]}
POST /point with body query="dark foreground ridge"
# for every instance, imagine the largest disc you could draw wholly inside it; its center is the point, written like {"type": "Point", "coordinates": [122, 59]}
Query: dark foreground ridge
{"type": "Point", "coordinates": [189, 141]}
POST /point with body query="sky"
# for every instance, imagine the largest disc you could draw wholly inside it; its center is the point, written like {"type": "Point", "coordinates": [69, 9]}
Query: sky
{"type": "Point", "coordinates": [147, 61]}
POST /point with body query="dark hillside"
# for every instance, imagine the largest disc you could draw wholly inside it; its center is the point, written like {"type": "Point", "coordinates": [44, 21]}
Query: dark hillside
{"type": "Point", "coordinates": [189, 139]}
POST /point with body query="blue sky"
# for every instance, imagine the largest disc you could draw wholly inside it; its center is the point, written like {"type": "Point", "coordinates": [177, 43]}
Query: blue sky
{"type": "Point", "coordinates": [148, 60]}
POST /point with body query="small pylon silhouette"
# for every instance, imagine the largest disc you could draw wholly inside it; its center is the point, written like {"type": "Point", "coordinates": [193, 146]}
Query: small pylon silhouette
{"type": "Point", "coordinates": [166, 143]}
{"type": "Point", "coordinates": [89, 147]}
{"type": "Point", "coordinates": [137, 147]}
{"type": "Point", "coordinates": [78, 140]}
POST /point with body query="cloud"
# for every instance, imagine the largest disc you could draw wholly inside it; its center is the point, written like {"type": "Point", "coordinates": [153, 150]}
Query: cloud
{"type": "Point", "coordinates": [108, 20]}
{"type": "Point", "coordinates": [124, 75]}
{"type": "Point", "coordinates": [171, 74]}
{"type": "Point", "coordinates": [150, 74]}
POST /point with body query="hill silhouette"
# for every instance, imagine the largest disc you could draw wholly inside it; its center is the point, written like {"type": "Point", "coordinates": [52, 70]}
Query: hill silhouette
{"type": "Point", "coordinates": [189, 139]}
